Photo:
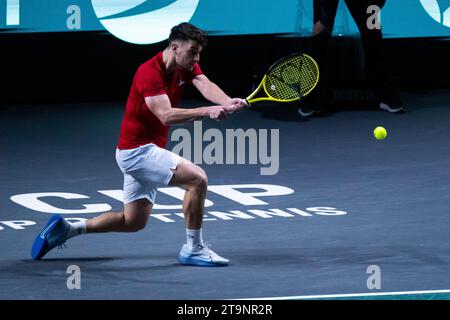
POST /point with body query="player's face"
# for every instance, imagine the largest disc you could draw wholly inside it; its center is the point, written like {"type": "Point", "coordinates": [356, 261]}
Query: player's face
{"type": "Point", "coordinates": [187, 54]}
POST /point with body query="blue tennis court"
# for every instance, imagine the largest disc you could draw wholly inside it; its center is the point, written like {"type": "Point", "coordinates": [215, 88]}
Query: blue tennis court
{"type": "Point", "coordinates": [340, 204]}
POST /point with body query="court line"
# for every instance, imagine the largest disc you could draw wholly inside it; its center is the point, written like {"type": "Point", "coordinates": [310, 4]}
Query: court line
{"type": "Point", "coordinates": [350, 295]}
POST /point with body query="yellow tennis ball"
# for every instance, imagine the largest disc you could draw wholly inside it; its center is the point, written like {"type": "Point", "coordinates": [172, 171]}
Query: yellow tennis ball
{"type": "Point", "coordinates": [380, 133]}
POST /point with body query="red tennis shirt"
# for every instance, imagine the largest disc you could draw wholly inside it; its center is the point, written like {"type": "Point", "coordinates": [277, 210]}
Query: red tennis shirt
{"type": "Point", "coordinates": [139, 125]}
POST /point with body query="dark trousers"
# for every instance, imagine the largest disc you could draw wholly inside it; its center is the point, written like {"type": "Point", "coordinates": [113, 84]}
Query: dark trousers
{"type": "Point", "coordinates": [372, 40]}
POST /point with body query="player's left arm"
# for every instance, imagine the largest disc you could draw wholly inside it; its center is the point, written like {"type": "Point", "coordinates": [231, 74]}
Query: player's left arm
{"type": "Point", "coordinates": [215, 94]}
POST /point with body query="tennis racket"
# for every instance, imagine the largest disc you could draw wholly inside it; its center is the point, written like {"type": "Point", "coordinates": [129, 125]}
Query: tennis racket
{"type": "Point", "coordinates": [289, 79]}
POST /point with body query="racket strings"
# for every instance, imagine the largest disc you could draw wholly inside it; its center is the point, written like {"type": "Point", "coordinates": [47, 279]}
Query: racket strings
{"type": "Point", "coordinates": [293, 78]}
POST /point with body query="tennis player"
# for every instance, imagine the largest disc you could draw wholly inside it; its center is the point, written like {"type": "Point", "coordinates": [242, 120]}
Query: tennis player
{"type": "Point", "coordinates": [141, 155]}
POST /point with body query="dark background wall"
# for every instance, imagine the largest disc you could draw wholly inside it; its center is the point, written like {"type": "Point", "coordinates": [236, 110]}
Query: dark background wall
{"type": "Point", "coordinates": [95, 66]}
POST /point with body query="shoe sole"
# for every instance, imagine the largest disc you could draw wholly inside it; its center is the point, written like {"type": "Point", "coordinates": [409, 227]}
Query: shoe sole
{"type": "Point", "coordinates": [201, 263]}
{"type": "Point", "coordinates": [382, 107]}
{"type": "Point", "coordinates": [305, 114]}
{"type": "Point", "coordinates": [38, 250]}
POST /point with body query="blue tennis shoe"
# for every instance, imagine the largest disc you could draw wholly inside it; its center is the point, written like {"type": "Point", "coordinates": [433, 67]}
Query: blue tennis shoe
{"type": "Point", "coordinates": [54, 234]}
{"type": "Point", "coordinates": [201, 255]}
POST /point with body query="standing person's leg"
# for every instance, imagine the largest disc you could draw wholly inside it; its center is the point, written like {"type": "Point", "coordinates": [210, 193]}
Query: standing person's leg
{"type": "Point", "coordinates": [324, 18]}
{"type": "Point", "coordinates": [194, 180]}
{"type": "Point", "coordinates": [375, 64]}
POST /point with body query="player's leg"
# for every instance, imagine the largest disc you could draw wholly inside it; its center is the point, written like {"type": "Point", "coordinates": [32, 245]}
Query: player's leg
{"type": "Point", "coordinates": [194, 180]}
{"type": "Point", "coordinates": [58, 230]}
{"type": "Point", "coordinates": [158, 166]}
{"type": "Point", "coordinates": [132, 219]}
{"type": "Point", "coordinates": [139, 194]}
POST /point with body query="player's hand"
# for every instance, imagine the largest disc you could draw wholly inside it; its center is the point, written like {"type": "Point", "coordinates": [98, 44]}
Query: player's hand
{"type": "Point", "coordinates": [218, 112]}
{"type": "Point", "coordinates": [237, 105]}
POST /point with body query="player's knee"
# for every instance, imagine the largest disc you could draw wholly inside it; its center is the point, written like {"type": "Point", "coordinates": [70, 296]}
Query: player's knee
{"type": "Point", "coordinates": [135, 225]}
{"type": "Point", "coordinates": [135, 220]}
{"type": "Point", "coordinates": [201, 180]}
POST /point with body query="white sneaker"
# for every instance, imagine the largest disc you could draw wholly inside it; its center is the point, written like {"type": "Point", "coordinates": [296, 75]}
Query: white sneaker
{"type": "Point", "coordinates": [201, 255]}
{"type": "Point", "coordinates": [391, 108]}
{"type": "Point", "coordinates": [305, 112]}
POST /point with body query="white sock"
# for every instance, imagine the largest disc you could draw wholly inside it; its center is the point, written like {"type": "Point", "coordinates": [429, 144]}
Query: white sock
{"type": "Point", "coordinates": [193, 237]}
{"type": "Point", "coordinates": [76, 228]}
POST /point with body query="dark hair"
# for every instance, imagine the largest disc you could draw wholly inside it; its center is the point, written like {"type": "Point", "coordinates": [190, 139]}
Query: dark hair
{"type": "Point", "coordinates": [186, 31]}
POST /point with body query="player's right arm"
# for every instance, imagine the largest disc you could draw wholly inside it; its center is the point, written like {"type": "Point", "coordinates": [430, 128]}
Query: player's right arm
{"type": "Point", "coordinates": [162, 109]}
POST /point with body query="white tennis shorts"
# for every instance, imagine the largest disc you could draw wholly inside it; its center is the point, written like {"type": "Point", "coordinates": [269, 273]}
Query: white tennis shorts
{"type": "Point", "coordinates": [144, 169]}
